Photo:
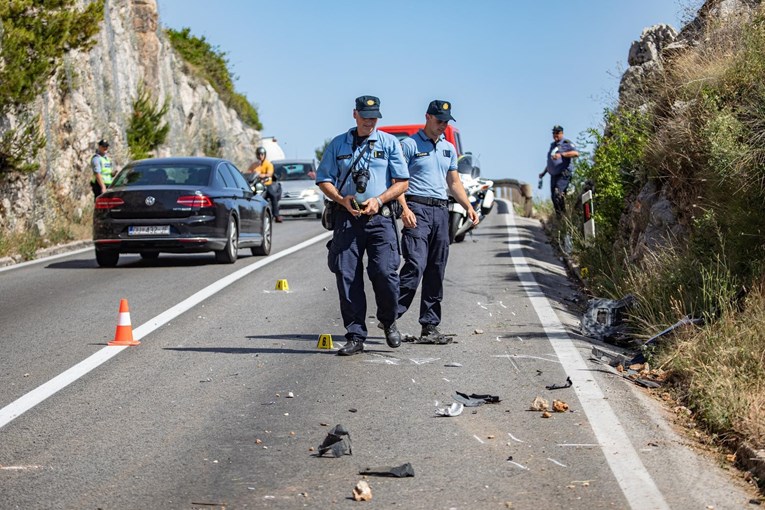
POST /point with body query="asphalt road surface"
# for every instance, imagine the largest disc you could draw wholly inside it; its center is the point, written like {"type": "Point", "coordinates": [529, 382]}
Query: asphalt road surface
{"type": "Point", "coordinates": [227, 398]}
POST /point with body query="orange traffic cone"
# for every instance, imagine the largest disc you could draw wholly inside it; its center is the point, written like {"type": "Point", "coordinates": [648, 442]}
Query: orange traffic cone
{"type": "Point", "coordinates": [124, 333]}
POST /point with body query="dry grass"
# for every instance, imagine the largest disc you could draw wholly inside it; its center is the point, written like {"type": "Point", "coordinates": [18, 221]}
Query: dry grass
{"type": "Point", "coordinates": [719, 371]}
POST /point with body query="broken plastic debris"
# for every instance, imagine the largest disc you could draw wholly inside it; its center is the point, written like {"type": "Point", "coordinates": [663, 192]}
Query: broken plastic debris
{"type": "Point", "coordinates": [453, 410]}
{"type": "Point", "coordinates": [560, 386]}
{"type": "Point", "coordinates": [337, 442]}
{"type": "Point", "coordinates": [455, 364]}
{"type": "Point", "coordinates": [362, 491]}
{"type": "Point", "coordinates": [474, 400]}
{"type": "Point", "coordinates": [604, 318]}
{"type": "Point", "coordinates": [401, 471]}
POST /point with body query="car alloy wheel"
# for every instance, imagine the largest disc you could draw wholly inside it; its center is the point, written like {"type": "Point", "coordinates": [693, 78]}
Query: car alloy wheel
{"type": "Point", "coordinates": [265, 245]}
{"type": "Point", "coordinates": [228, 254]}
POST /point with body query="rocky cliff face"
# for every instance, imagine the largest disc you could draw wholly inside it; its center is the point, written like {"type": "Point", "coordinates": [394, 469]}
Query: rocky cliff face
{"type": "Point", "coordinates": [91, 97]}
{"type": "Point", "coordinates": [651, 220]}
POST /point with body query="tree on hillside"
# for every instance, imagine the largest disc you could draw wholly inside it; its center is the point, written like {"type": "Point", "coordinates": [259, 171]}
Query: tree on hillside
{"type": "Point", "coordinates": [320, 150]}
{"type": "Point", "coordinates": [34, 35]}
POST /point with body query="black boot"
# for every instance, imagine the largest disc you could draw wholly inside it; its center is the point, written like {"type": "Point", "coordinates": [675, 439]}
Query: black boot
{"type": "Point", "coordinates": [351, 347]}
{"type": "Point", "coordinates": [393, 336]}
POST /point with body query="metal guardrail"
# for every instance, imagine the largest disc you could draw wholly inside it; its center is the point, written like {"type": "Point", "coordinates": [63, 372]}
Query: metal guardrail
{"type": "Point", "coordinates": [520, 193]}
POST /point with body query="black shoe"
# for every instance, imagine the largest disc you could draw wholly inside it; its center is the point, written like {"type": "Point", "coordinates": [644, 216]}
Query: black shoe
{"type": "Point", "coordinates": [393, 336]}
{"type": "Point", "coordinates": [351, 347]}
{"type": "Point", "coordinates": [431, 335]}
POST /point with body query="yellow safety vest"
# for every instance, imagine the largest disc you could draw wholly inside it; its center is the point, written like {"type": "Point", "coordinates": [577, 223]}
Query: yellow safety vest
{"type": "Point", "coordinates": [106, 170]}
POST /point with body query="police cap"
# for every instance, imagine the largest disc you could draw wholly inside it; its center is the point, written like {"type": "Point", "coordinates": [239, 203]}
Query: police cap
{"type": "Point", "coordinates": [557, 129]}
{"type": "Point", "coordinates": [442, 110]}
{"type": "Point", "coordinates": [368, 107]}
{"type": "Point", "coordinates": [103, 143]}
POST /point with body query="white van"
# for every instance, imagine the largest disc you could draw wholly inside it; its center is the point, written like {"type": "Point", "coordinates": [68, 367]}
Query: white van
{"type": "Point", "coordinates": [273, 151]}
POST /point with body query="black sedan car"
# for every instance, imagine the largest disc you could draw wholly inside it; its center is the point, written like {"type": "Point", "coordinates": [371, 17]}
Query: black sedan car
{"type": "Point", "coordinates": [180, 205]}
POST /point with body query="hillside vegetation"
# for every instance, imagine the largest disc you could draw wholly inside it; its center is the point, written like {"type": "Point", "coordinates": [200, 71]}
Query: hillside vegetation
{"type": "Point", "coordinates": [698, 139]}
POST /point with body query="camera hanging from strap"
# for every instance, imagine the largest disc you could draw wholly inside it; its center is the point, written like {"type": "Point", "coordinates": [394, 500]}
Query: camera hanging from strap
{"type": "Point", "coordinates": [366, 148]}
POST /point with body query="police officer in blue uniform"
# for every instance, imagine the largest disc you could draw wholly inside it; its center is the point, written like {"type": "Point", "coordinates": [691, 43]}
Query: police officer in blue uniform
{"type": "Point", "coordinates": [368, 167]}
{"type": "Point", "coordinates": [559, 156]}
{"type": "Point", "coordinates": [433, 171]}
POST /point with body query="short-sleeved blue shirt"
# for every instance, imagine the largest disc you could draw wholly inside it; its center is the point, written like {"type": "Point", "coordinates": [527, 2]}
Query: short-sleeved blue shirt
{"type": "Point", "coordinates": [383, 160]}
{"type": "Point", "coordinates": [428, 164]}
{"type": "Point", "coordinates": [558, 166]}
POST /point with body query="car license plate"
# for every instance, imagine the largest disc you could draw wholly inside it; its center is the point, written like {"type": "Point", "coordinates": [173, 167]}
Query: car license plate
{"type": "Point", "coordinates": [151, 230]}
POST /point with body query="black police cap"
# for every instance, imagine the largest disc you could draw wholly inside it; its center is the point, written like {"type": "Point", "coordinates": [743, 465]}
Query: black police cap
{"type": "Point", "coordinates": [442, 110]}
{"type": "Point", "coordinates": [368, 107]}
{"type": "Point", "coordinates": [103, 143]}
{"type": "Point", "coordinates": [557, 129]}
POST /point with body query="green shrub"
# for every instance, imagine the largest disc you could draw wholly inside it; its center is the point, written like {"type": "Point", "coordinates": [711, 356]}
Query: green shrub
{"type": "Point", "coordinates": [211, 64]}
{"type": "Point", "coordinates": [615, 167]}
{"type": "Point", "coordinates": [146, 131]}
{"type": "Point", "coordinates": [34, 36]}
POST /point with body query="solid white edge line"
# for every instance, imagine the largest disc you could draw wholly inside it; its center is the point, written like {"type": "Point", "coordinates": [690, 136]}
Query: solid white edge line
{"type": "Point", "coordinates": [633, 478]}
{"type": "Point", "coordinates": [44, 259]}
{"type": "Point", "coordinates": [45, 390]}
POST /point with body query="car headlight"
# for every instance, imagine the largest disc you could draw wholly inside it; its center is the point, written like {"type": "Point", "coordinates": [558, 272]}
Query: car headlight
{"type": "Point", "coordinates": [309, 194]}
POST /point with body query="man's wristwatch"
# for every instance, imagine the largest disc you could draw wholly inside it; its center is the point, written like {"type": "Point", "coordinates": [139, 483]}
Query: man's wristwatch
{"type": "Point", "coordinates": [379, 202]}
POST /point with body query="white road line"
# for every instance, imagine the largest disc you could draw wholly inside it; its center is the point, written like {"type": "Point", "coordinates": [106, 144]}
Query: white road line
{"type": "Point", "coordinates": [636, 483]}
{"type": "Point", "coordinates": [45, 259]}
{"type": "Point", "coordinates": [34, 397]}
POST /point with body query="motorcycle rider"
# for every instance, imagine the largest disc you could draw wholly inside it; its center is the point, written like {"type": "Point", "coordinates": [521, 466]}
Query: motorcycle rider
{"type": "Point", "coordinates": [265, 169]}
{"type": "Point", "coordinates": [433, 171]}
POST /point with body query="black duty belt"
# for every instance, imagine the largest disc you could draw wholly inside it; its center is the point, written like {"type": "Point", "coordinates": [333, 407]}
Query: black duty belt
{"type": "Point", "coordinates": [438, 202]}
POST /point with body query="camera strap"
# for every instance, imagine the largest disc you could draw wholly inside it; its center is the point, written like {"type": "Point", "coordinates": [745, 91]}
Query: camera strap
{"type": "Point", "coordinates": [367, 146]}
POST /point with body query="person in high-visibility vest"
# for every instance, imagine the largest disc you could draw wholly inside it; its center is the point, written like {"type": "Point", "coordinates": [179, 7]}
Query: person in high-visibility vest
{"type": "Point", "coordinates": [102, 169]}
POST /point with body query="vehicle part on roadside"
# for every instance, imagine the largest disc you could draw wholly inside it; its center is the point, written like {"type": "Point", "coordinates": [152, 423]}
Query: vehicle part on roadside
{"type": "Point", "coordinates": [604, 318]}
{"type": "Point", "coordinates": [560, 406]}
{"type": "Point", "coordinates": [567, 384]}
{"type": "Point", "coordinates": [402, 471]}
{"type": "Point", "coordinates": [539, 404]}
{"type": "Point", "coordinates": [474, 400]}
{"type": "Point", "coordinates": [337, 442]}
{"type": "Point", "coordinates": [453, 410]}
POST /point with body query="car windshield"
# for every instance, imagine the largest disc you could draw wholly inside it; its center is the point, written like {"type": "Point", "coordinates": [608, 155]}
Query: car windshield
{"type": "Point", "coordinates": [151, 175]}
{"type": "Point", "coordinates": [294, 171]}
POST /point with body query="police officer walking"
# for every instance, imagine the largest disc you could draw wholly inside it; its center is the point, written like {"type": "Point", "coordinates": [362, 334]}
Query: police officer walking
{"type": "Point", "coordinates": [102, 169]}
{"type": "Point", "coordinates": [559, 157]}
{"type": "Point", "coordinates": [363, 170]}
{"type": "Point", "coordinates": [433, 171]}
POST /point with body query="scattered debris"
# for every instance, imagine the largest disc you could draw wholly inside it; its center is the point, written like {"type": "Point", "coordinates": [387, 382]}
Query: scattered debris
{"type": "Point", "coordinates": [637, 371]}
{"type": "Point", "coordinates": [474, 400]}
{"type": "Point", "coordinates": [559, 406]}
{"type": "Point", "coordinates": [514, 438]}
{"type": "Point", "coordinates": [454, 364]}
{"type": "Point", "coordinates": [362, 491]}
{"type": "Point", "coordinates": [353, 410]}
{"type": "Point", "coordinates": [337, 442]}
{"type": "Point", "coordinates": [290, 395]}
{"type": "Point", "coordinates": [546, 414]}
{"type": "Point", "coordinates": [518, 465]}
{"type": "Point", "coordinates": [402, 471]}
{"type": "Point", "coordinates": [604, 318]}
{"type": "Point", "coordinates": [454, 410]}
{"type": "Point", "coordinates": [478, 332]}
{"type": "Point", "coordinates": [556, 462]}
{"type": "Point", "coordinates": [567, 384]}
{"type": "Point", "coordinates": [539, 404]}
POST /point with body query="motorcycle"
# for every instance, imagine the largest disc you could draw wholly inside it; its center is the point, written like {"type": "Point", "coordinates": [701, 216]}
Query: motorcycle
{"type": "Point", "coordinates": [480, 193]}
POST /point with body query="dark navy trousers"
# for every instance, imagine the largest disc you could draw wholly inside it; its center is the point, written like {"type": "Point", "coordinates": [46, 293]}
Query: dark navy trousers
{"type": "Point", "coordinates": [558, 186]}
{"type": "Point", "coordinates": [352, 237]}
{"type": "Point", "coordinates": [426, 250]}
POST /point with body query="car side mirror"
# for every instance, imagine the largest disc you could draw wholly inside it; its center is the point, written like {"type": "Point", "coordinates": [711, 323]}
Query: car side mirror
{"type": "Point", "coordinates": [258, 188]}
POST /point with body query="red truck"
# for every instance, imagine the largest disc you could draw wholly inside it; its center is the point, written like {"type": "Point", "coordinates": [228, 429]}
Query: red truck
{"type": "Point", "coordinates": [452, 134]}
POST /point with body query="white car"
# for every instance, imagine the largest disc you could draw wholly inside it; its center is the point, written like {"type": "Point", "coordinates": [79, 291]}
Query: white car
{"type": "Point", "coordinates": [300, 194]}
